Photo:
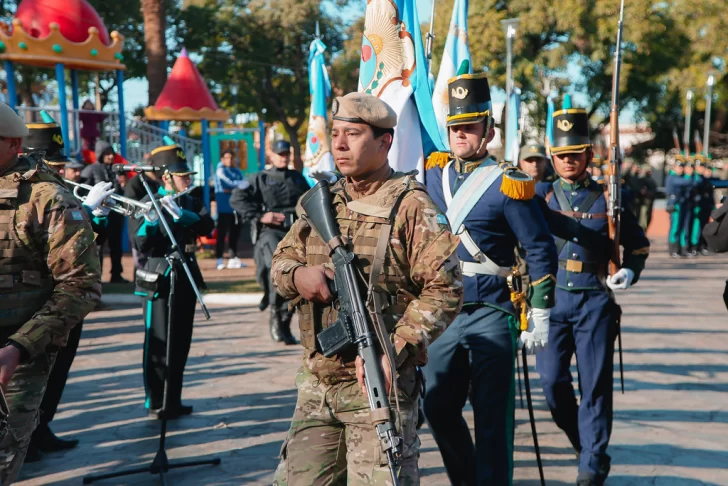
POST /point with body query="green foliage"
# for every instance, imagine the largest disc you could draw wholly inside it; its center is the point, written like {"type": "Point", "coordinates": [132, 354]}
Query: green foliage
{"type": "Point", "coordinates": [661, 42]}
{"type": "Point", "coordinates": [262, 47]}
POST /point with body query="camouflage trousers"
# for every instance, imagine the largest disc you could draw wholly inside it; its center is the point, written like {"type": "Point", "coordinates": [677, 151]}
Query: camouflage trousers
{"type": "Point", "coordinates": [332, 440]}
{"type": "Point", "coordinates": [24, 395]}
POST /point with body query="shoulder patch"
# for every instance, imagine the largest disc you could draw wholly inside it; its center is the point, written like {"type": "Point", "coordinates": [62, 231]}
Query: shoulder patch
{"type": "Point", "coordinates": [517, 184]}
{"type": "Point", "coordinates": [437, 159]}
{"type": "Point", "coordinates": [442, 219]}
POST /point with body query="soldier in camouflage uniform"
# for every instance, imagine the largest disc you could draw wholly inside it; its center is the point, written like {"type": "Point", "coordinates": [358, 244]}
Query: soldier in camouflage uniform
{"type": "Point", "coordinates": [49, 280]}
{"type": "Point", "coordinates": [332, 439]}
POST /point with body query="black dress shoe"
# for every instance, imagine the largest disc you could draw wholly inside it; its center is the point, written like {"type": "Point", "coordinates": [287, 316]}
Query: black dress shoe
{"type": "Point", "coordinates": [172, 413]}
{"type": "Point", "coordinates": [33, 454]}
{"type": "Point", "coordinates": [118, 279]}
{"type": "Point", "coordinates": [45, 440]}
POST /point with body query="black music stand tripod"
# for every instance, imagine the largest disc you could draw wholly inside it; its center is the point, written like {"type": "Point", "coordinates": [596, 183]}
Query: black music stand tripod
{"type": "Point", "coordinates": [161, 465]}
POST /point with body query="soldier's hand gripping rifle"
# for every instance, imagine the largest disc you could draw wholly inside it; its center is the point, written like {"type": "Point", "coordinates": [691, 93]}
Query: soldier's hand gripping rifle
{"type": "Point", "coordinates": [614, 203]}
{"type": "Point", "coordinates": [352, 327]}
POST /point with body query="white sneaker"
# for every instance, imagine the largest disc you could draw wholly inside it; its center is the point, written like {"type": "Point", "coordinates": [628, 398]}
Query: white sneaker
{"type": "Point", "coordinates": [236, 263]}
{"type": "Point", "coordinates": [220, 264]}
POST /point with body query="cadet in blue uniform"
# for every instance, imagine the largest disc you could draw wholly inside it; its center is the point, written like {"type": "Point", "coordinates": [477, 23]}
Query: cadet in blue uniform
{"type": "Point", "coordinates": [491, 208]}
{"type": "Point", "coordinates": [707, 199]}
{"type": "Point", "coordinates": [677, 187]}
{"type": "Point", "coordinates": [584, 318]}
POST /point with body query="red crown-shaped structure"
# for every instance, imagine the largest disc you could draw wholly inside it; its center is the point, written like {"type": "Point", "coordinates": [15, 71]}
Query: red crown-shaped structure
{"type": "Point", "coordinates": [48, 32]}
{"type": "Point", "coordinates": [185, 96]}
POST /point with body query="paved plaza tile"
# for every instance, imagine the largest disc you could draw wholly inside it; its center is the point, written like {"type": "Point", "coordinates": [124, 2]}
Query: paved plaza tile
{"type": "Point", "coordinates": [670, 428]}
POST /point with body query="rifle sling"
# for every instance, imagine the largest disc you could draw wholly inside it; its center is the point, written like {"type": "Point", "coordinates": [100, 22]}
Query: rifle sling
{"type": "Point", "coordinates": [374, 305]}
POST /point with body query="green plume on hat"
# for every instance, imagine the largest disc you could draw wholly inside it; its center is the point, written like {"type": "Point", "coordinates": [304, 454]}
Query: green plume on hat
{"type": "Point", "coordinates": [464, 68]}
{"type": "Point", "coordinates": [46, 117]}
{"type": "Point", "coordinates": [168, 140]}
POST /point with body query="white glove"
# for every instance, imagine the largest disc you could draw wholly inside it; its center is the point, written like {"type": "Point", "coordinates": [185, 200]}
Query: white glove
{"type": "Point", "coordinates": [101, 212]}
{"type": "Point", "coordinates": [536, 337]}
{"type": "Point", "coordinates": [620, 280]}
{"type": "Point", "coordinates": [171, 207]}
{"type": "Point", "coordinates": [97, 194]}
{"type": "Point", "coordinates": [243, 184]}
{"type": "Point", "coordinates": [323, 175]}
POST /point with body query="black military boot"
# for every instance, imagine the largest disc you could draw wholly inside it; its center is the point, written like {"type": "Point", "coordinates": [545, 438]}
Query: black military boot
{"type": "Point", "coordinates": [45, 440]}
{"type": "Point", "coordinates": [284, 320]}
{"type": "Point", "coordinates": [275, 326]}
{"type": "Point", "coordinates": [263, 305]}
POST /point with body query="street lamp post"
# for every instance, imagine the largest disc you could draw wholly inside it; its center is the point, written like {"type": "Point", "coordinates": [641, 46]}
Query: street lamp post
{"type": "Point", "coordinates": [234, 92]}
{"type": "Point", "coordinates": [688, 116]}
{"type": "Point", "coordinates": [708, 104]}
{"type": "Point", "coordinates": [509, 26]}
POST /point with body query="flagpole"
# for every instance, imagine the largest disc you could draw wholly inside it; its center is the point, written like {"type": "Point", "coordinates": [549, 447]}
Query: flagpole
{"type": "Point", "coordinates": [430, 39]}
{"type": "Point", "coordinates": [688, 116]}
{"type": "Point", "coordinates": [706, 123]}
{"type": "Point", "coordinates": [510, 26]}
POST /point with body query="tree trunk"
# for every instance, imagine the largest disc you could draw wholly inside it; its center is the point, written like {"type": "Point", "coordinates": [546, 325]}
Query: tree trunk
{"type": "Point", "coordinates": [291, 130]}
{"type": "Point", "coordinates": [155, 46]}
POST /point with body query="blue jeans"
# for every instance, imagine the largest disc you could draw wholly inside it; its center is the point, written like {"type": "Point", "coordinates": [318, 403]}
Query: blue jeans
{"type": "Point", "coordinates": [477, 349]}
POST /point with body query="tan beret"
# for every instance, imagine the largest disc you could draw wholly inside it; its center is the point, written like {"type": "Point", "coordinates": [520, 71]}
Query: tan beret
{"type": "Point", "coordinates": [11, 125]}
{"type": "Point", "coordinates": [364, 108]}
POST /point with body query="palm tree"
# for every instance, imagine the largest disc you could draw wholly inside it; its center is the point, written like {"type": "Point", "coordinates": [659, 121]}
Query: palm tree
{"type": "Point", "coordinates": [155, 43]}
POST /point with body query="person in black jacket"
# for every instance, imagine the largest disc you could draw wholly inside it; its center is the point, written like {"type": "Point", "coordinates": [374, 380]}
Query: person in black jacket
{"type": "Point", "coordinates": [269, 204]}
{"type": "Point", "coordinates": [135, 190]}
{"type": "Point", "coordinates": [188, 218]}
{"type": "Point", "coordinates": [100, 171]}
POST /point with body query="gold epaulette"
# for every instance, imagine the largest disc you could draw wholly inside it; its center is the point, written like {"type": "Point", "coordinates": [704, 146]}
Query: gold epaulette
{"type": "Point", "coordinates": [517, 184]}
{"type": "Point", "coordinates": [437, 159]}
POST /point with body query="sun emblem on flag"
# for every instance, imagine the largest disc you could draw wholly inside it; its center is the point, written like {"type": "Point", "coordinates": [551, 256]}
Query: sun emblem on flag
{"type": "Point", "coordinates": [387, 52]}
{"type": "Point", "coordinates": [316, 141]}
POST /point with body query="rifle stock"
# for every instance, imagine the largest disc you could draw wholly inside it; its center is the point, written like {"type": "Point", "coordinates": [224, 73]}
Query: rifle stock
{"type": "Point", "coordinates": [614, 203]}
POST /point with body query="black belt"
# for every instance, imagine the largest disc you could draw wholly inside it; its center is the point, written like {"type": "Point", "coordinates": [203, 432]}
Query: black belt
{"type": "Point", "coordinates": [578, 266]}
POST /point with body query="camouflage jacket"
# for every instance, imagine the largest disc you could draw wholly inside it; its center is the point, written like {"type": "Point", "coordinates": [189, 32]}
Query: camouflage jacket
{"type": "Point", "coordinates": [421, 274]}
{"type": "Point", "coordinates": [46, 229]}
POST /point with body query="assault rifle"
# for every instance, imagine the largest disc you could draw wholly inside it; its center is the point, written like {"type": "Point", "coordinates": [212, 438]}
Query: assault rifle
{"type": "Point", "coordinates": [353, 326]}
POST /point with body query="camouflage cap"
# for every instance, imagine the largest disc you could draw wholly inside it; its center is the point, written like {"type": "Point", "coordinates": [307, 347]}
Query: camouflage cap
{"type": "Point", "coordinates": [533, 150]}
{"type": "Point", "coordinates": [364, 108]}
{"type": "Point", "coordinates": [11, 125]}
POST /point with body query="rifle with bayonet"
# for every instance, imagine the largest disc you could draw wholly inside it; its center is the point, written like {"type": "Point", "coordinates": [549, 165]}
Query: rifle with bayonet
{"type": "Point", "coordinates": [353, 328]}
{"type": "Point", "coordinates": [614, 202]}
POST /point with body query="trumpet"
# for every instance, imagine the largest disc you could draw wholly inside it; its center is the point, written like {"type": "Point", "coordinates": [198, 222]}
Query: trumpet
{"type": "Point", "coordinates": [120, 204]}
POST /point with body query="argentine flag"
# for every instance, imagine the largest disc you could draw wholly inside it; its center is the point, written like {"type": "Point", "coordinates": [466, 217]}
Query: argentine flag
{"type": "Point", "coordinates": [513, 116]}
{"type": "Point", "coordinates": [393, 67]}
{"type": "Point", "coordinates": [457, 50]}
{"type": "Point", "coordinates": [317, 156]}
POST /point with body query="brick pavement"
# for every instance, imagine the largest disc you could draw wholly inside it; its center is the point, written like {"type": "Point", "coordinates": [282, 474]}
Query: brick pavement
{"type": "Point", "coordinates": [670, 427]}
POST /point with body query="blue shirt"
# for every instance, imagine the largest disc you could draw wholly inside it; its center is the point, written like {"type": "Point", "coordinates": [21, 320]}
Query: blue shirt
{"type": "Point", "coordinates": [587, 240]}
{"type": "Point", "coordinates": [497, 224]}
{"type": "Point", "coordinates": [226, 179]}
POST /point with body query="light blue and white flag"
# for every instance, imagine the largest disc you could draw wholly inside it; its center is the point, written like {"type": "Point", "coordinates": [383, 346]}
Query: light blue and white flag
{"type": "Point", "coordinates": [393, 67]}
{"type": "Point", "coordinates": [550, 108]}
{"type": "Point", "coordinates": [317, 156]}
{"type": "Point", "coordinates": [457, 50]}
{"type": "Point", "coordinates": [513, 116]}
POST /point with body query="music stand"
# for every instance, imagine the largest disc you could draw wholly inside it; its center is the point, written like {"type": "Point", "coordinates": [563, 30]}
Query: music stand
{"type": "Point", "coordinates": [161, 465]}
